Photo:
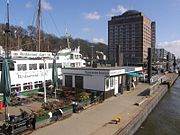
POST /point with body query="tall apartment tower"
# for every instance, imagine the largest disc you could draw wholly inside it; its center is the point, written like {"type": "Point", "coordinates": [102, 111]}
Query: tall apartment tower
{"type": "Point", "coordinates": [129, 37]}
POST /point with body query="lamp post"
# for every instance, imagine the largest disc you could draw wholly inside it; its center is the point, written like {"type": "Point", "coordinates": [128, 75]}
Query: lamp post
{"type": "Point", "coordinates": [92, 56]}
{"type": "Point", "coordinates": [44, 81]}
{"type": "Point", "coordinates": [17, 36]}
{"type": "Point", "coordinates": [54, 72]}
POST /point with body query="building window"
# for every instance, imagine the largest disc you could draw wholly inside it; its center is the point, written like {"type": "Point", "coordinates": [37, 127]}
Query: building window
{"type": "Point", "coordinates": [22, 67]}
{"type": "Point", "coordinates": [107, 83]}
{"type": "Point", "coordinates": [112, 82]}
{"type": "Point", "coordinates": [133, 55]}
{"type": "Point", "coordinates": [32, 66]}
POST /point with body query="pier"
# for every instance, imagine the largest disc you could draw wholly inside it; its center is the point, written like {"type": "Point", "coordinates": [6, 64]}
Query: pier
{"type": "Point", "coordinates": [97, 120]}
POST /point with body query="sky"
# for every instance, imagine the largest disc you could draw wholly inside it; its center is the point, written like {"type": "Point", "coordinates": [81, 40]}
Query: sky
{"type": "Point", "coordinates": [88, 19]}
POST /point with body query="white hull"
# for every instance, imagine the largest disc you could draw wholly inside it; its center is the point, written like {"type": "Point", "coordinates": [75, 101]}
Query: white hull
{"type": "Point", "coordinates": [24, 76]}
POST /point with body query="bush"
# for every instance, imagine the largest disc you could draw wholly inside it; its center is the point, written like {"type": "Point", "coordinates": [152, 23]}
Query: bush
{"type": "Point", "coordinates": [83, 96]}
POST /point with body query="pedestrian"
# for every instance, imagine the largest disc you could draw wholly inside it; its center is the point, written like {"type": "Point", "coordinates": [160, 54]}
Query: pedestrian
{"type": "Point", "coordinates": [33, 120]}
{"type": "Point", "coordinates": [23, 113]}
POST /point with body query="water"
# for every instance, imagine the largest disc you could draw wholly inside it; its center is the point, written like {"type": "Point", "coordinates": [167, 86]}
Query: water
{"type": "Point", "coordinates": [165, 118]}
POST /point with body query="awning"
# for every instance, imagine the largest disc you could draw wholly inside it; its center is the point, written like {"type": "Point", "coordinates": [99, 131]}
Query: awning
{"type": "Point", "coordinates": [135, 74]}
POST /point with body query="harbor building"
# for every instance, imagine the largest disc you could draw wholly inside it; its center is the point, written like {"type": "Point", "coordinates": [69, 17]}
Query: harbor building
{"type": "Point", "coordinates": [129, 37]}
{"type": "Point", "coordinates": [106, 81]}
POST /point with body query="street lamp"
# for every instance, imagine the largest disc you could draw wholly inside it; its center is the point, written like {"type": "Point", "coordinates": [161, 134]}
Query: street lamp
{"type": "Point", "coordinates": [44, 81]}
{"type": "Point", "coordinates": [54, 73]}
{"type": "Point", "coordinates": [92, 56]}
{"type": "Point", "coordinates": [17, 36]}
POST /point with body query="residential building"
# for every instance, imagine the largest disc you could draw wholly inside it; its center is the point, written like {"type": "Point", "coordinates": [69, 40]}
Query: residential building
{"type": "Point", "coordinates": [161, 54]}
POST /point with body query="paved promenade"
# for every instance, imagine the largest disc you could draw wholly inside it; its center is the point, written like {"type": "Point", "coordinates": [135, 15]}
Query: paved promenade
{"type": "Point", "coordinates": [95, 120]}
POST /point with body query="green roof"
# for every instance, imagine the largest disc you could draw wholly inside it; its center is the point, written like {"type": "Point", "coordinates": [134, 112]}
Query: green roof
{"type": "Point", "coordinates": [135, 74]}
{"type": "Point", "coordinates": [64, 53]}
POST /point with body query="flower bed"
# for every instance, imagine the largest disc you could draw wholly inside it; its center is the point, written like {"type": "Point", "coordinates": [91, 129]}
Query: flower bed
{"type": "Point", "coordinates": [29, 92]}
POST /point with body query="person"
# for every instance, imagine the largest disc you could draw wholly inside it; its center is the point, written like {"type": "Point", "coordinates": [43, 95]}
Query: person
{"type": "Point", "coordinates": [33, 120]}
{"type": "Point", "coordinates": [133, 83]}
{"type": "Point", "coordinates": [23, 113]}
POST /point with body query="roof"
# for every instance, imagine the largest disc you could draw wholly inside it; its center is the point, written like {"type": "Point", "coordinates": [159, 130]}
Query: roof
{"type": "Point", "coordinates": [130, 12]}
{"type": "Point", "coordinates": [101, 68]}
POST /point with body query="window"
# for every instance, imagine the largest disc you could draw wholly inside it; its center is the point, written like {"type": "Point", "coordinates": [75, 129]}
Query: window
{"type": "Point", "coordinates": [107, 83]}
{"type": "Point", "coordinates": [49, 65]}
{"type": "Point", "coordinates": [25, 87]}
{"type": "Point", "coordinates": [112, 82]}
{"type": "Point", "coordinates": [22, 67]}
{"type": "Point", "coordinates": [59, 65]}
{"type": "Point", "coordinates": [32, 66]}
{"type": "Point", "coordinates": [41, 66]}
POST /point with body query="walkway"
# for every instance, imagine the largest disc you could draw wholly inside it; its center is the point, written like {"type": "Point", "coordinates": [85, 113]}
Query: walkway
{"type": "Point", "coordinates": [92, 120]}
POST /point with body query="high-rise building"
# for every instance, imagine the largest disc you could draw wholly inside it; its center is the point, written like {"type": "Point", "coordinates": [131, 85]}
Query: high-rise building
{"type": "Point", "coordinates": [129, 37]}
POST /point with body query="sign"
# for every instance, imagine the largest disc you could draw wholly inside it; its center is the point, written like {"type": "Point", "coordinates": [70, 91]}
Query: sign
{"type": "Point", "coordinates": [117, 72]}
{"type": "Point", "coordinates": [25, 75]}
{"type": "Point", "coordinates": [29, 54]}
{"type": "Point", "coordinates": [93, 72]}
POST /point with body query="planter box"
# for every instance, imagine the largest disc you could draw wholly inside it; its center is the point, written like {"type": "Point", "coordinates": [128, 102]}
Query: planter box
{"type": "Point", "coordinates": [85, 103]}
{"type": "Point", "coordinates": [44, 117]}
{"type": "Point", "coordinates": [67, 111]}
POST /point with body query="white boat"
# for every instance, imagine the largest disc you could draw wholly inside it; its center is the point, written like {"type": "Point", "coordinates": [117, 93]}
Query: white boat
{"type": "Point", "coordinates": [31, 69]}
{"type": "Point", "coordinates": [28, 71]}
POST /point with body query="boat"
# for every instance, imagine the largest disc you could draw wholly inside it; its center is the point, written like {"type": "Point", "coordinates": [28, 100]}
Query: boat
{"type": "Point", "coordinates": [32, 68]}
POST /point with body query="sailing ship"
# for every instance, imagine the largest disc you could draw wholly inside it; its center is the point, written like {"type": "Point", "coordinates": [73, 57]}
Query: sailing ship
{"type": "Point", "coordinates": [32, 68]}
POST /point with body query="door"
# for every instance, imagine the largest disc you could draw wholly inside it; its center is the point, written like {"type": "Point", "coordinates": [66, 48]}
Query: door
{"type": "Point", "coordinates": [116, 85]}
{"type": "Point", "coordinates": [79, 82]}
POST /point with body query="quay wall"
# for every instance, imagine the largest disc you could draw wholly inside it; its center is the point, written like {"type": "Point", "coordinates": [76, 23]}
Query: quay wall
{"type": "Point", "coordinates": [146, 109]}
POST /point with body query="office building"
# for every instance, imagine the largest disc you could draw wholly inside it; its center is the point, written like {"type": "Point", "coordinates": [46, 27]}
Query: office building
{"type": "Point", "coordinates": [129, 37]}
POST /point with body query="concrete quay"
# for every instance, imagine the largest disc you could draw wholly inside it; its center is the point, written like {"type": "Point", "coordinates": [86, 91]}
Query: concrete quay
{"type": "Point", "coordinates": [96, 120]}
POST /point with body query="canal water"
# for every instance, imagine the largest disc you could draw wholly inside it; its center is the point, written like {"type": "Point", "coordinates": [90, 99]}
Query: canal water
{"type": "Point", "coordinates": [165, 118]}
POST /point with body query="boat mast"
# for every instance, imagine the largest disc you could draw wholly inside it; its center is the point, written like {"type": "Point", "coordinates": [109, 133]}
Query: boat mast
{"type": "Point", "coordinates": [7, 31]}
{"type": "Point", "coordinates": [39, 26]}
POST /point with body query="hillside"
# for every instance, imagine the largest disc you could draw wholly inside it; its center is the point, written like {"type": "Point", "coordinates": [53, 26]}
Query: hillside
{"type": "Point", "coordinates": [25, 39]}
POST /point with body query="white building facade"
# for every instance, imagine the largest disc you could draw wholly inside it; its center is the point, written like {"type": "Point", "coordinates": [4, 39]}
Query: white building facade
{"type": "Point", "coordinates": [103, 80]}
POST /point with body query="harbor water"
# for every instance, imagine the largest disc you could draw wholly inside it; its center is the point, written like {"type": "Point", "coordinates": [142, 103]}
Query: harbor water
{"type": "Point", "coordinates": [165, 118]}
